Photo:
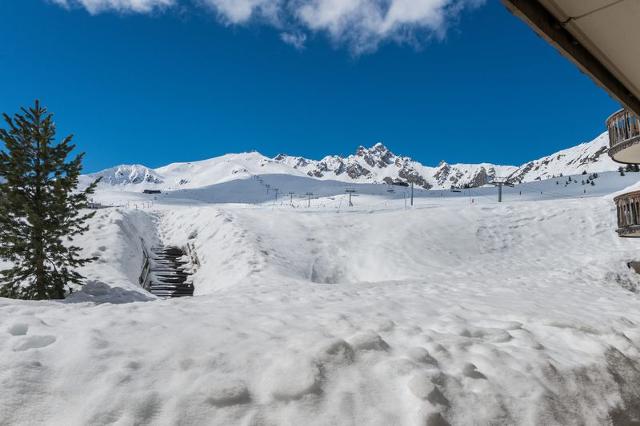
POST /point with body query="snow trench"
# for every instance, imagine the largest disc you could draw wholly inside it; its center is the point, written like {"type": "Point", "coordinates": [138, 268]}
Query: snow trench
{"type": "Point", "coordinates": [116, 238]}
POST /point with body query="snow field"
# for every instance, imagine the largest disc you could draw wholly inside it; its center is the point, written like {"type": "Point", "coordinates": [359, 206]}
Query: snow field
{"type": "Point", "coordinates": [449, 313]}
{"type": "Point", "coordinates": [330, 195]}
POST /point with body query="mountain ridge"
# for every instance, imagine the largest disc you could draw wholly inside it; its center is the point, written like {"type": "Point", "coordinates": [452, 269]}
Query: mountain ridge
{"type": "Point", "coordinates": [376, 164]}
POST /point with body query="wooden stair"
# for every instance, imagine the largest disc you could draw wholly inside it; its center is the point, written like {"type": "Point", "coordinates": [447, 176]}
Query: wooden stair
{"type": "Point", "coordinates": [168, 275]}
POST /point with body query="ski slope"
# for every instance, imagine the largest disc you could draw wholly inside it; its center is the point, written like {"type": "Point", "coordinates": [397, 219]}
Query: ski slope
{"type": "Point", "coordinates": [330, 194]}
{"type": "Point", "coordinates": [458, 311]}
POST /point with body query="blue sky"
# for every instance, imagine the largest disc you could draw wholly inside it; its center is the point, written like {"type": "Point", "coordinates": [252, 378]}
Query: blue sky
{"type": "Point", "coordinates": [184, 82]}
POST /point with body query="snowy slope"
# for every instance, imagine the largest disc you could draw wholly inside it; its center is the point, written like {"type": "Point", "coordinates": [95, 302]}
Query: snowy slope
{"type": "Point", "coordinates": [191, 174]}
{"type": "Point", "coordinates": [591, 157]}
{"type": "Point", "coordinates": [513, 314]}
{"type": "Point", "coordinates": [220, 169]}
{"type": "Point", "coordinates": [374, 165]}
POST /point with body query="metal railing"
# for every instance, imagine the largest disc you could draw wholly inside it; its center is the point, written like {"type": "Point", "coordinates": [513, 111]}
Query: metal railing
{"type": "Point", "coordinates": [628, 212]}
{"type": "Point", "coordinates": [145, 275]}
{"type": "Point", "coordinates": [624, 131]}
{"type": "Point", "coordinates": [193, 256]}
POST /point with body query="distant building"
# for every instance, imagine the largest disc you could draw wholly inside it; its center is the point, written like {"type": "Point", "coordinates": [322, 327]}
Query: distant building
{"type": "Point", "coordinates": [152, 191]}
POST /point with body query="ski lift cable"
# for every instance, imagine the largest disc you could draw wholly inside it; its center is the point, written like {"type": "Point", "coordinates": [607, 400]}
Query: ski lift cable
{"type": "Point", "coordinates": [552, 194]}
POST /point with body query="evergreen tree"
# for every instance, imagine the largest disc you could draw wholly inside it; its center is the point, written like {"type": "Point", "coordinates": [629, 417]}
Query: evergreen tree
{"type": "Point", "coordinates": [40, 208]}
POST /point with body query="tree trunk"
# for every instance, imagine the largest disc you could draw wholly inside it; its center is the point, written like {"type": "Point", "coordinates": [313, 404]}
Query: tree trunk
{"type": "Point", "coordinates": [41, 280]}
{"type": "Point", "coordinates": [38, 234]}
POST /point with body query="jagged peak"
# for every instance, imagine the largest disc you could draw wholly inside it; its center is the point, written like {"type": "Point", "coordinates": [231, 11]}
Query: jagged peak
{"type": "Point", "coordinates": [376, 149]}
{"type": "Point", "coordinates": [379, 147]}
{"type": "Point", "coordinates": [128, 173]}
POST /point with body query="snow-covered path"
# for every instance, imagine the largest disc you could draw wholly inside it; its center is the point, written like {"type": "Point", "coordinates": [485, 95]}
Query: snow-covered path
{"type": "Point", "coordinates": [491, 314]}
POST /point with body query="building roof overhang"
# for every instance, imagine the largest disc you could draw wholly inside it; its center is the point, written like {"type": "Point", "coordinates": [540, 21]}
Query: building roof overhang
{"type": "Point", "coordinates": [602, 37]}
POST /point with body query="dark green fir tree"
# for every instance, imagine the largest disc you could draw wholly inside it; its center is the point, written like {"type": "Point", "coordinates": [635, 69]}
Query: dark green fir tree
{"type": "Point", "coordinates": [41, 208]}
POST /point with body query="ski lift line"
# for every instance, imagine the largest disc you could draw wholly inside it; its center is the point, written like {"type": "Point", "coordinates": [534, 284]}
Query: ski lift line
{"type": "Point", "coordinates": [549, 193]}
{"type": "Point", "coordinates": [553, 194]}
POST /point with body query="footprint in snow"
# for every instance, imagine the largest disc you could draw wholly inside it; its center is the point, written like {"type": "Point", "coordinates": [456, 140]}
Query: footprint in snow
{"type": "Point", "coordinates": [421, 355]}
{"type": "Point", "coordinates": [18, 329]}
{"type": "Point", "coordinates": [368, 341]}
{"type": "Point", "coordinates": [227, 394]}
{"type": "Point", "coordinates": [34, 342]}
{"type": "Point", "coordinates": [472, 372]}
{"type": "Point", "coordinates": [293, 378]}
{"type": "Point", "coordinates": [421, 386]}
{"type": "Point", "coordinates": [436, 419]}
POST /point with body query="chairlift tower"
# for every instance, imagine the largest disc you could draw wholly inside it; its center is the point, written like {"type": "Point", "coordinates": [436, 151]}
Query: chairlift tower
{"type": "Point", "coordinates": [350, 192]}
{"type": "Point", "coordinates": [309, 195]}
{"type": "Point", "coordinates": [500, 183]}
{"type": "Point", "coordinates": [291, 194]}
{"type": "Point", "coordinates": [411, 194]}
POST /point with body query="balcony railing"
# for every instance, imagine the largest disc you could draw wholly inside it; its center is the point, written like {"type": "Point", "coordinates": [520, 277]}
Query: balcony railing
{"type": "Point", "coordinates": [628, 207]}
{"type": "Point", "coordinates": [624, 137]}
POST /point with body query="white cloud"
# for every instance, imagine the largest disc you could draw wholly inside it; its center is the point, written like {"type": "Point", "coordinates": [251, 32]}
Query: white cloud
{"type": "Point", "coordinates": [359, 24]}
{"type": "Point", "coordinates": [240, 11]}
{"type": "Point", "coordinates": [136, 6]}
{"type": "Point", "coordinates": [296, 40]}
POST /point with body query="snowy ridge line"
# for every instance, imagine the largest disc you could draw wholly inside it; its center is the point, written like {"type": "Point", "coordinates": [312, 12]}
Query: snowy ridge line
{"type": "Point", "coordinates": [376, 165]}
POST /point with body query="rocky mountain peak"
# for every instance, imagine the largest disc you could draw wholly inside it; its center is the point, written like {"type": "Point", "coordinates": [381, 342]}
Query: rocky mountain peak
{"type": "Point", "coordinates": [376, 156]}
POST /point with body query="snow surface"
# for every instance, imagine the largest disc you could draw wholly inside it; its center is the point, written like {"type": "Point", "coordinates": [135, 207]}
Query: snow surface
{"type": "Point", "coordinates": [460, 310]}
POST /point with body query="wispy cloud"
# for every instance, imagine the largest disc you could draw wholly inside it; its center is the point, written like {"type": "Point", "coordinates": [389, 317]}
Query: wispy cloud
{"type": "Point", "coordinates": [362, 25]}
{"type": "Point", "coordinates": [296, 40]}
{"type": "Point", "coordinates": [124, 6]}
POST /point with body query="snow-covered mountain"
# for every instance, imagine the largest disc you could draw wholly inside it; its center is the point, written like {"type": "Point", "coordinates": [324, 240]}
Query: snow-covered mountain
{"type": "Point", "coordinates": [379, 165]}
{"type": "Point", "coordinates": [591, 156]}
{"type": "Point", "coordinates": [192, 174]}
{"type": "Point", "coordinates": [376, 164]}
{"type": "Point", "coordinates": [129, 175]}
